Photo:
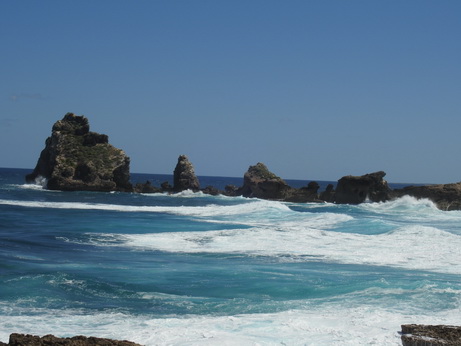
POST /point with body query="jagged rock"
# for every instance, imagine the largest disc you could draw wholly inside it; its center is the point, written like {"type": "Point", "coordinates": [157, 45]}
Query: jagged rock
{"type": "Point", "coordinates": [76, 159]}
{"type": "Point", "coordinates": [259, 182]}
{"type": "Point", "coordinates": [184, 177]}
{"type": "Point", "coordinates": [304, 194]}
{"type": "Point", "coordinates": [328, 195]}
{"type": "Point", "coordinates": [427, 335]}
{"type": "Point", "coordinates": [357, 189]}
{"type": "Point", "coordinates": [211, 190]}
{"type": "Point", "coordinates": [231, 190]}
{"type": "Point", "coordinates": [51, 340]}
{"type": "Point", "coordinates": [146, 187]}
{"type": "Point", "coordinates": [445, 196]}
{"type": "Point", "coordinates": [166, 186]}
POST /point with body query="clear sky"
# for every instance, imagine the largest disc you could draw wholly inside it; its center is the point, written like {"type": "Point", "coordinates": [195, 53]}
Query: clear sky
{"type": "Point", "coordinates": [314, 89]}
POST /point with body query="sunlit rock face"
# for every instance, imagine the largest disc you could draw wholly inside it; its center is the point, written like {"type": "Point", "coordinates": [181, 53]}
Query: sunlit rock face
{"type": "Point", "coordinates": [184, 177]}
{"type": "Point", "coordinates": [76, 159]}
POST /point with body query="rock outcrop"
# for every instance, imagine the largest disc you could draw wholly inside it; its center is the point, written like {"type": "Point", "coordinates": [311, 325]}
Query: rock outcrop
{"type": "Point", "coordinates": [445, 196]}
{"type": "Point", "coordinates": [146, 187]}
{"type": "Point", "coordinates": [358, 189]}
{"type": "Point", "coordinates": [305, 194]}
{"type": "Point", "coordinates": [76, 159]}
{"type": "Point", "coordinates": [329, 194]}
{"type": "Point", "coordinates": [427, 335]}
{"type": "Point", "coordinates": [51, 340]}
{"type": "Point", "coordinates": [259, 182]}
{"type": "Point", "coordinates": [184, 177]}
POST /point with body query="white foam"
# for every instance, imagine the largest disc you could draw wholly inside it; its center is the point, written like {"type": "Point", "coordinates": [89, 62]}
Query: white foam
{"type": "Point", "coordinates": [411, 247]}
{"type": "Point", "coordinates": [209, 210]}
{"type": "Point", "coordinates": [327, 324]}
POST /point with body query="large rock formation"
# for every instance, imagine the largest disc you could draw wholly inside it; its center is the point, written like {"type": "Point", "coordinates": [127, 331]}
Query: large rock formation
{"type": "Point", "coordinates": [259, 182]}
{"type": "Point", "coordinates": [76, 159]}
{"type": "Point", "coordinates": [357, 189]}
{"type": "Point", "coordinates": [184, 177]}
{"type": "Point", "coordinates": [445, 196]}
{"type": "Point", "coordinates": [427, 335]}
{"type": "Point", "coordinates": [51, 340]}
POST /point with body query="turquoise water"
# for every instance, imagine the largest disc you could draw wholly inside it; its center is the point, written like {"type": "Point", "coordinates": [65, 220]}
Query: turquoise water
{"type": "Point", "coordinates": [193, 269]}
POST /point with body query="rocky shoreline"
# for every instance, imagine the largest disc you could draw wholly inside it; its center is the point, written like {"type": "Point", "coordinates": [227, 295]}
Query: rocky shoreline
{"type": "Point", "coordinates": [411, 335]}
{"type": "Point", "coordinates": [430, 335]}
{"type": "Point", "coordinates": [76, 159]}
{"type": "Point", "coordinates": [51, 340]}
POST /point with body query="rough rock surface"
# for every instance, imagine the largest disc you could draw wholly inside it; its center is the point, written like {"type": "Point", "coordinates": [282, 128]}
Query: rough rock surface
{"type": "Point", "coordinates": [328, 195]}
{"type": "Point", "coordinates": [357, 189]}
{"type": "Point", "coordinates": [259, 182]}
{"type": "Point", "coordinates": [211, 190]}
{"type": "Point", "coordinates": [76, 159]}
{"type": "Point", "coordinates": [445, 196]}
{"type": "Point", "coordinates": [146, 187]}
{"type": "Point", "coordinates": [51, 340]}
{"type": "Point", "coordinates": [305, 194]}
{"type": "Point", "coordinates": [427, 335]}
{"type": "Point", "coordinates": [184, 177]}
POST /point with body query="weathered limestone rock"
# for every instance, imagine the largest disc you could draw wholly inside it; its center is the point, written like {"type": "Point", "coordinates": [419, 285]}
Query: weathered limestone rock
{"type": "Point", "coordinates": [259, 182]}
{"type": "Point", "coordinates": [76, 159]}
{"type": "Point", "coordinates": [357, 189]}
{"type": "Point", "coordinates": [51, 340]}
{"type": "Point", "coordinates": [445, 196]}
{"type": "Point", "coordinates": [184, 177]}
{"type": "Point", "coordinates": [427, 335]}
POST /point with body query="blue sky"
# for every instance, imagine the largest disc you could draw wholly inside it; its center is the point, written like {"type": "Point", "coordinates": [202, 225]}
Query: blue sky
{"type": "Point", "coordinates": [314, 89]}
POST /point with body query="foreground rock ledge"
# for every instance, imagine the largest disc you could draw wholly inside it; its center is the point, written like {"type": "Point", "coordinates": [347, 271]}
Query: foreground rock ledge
{"type": "Point", "coordinates": [430, 335]}
{"type": "Point", "coordinates": [51, 340]}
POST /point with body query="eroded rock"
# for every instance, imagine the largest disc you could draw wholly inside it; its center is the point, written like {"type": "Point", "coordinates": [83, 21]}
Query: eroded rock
{"type": "Point", "coordinates": [259, 182]}
{"type": "Point", "coordinates": [430, 335]}
{"type": "Point", "coordinates": [51, 340]}
{"type": "Point", "coordinates": [184, 177]}
{"type": "Point", "coordinates": [445, 196]}
{"type": "Point", "coordinates": [75, 159]}
{"type": "Point", "coordinates": [357, 189]}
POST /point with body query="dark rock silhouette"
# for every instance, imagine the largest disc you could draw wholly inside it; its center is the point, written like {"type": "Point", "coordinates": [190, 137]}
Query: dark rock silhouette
{"type": "Point", "coordinates": [357, 189]}
{"type": "Point", "coordinates": [328, 195]}
{"type": "Point", "coordinates": [211, 190]}
{"type": "Point", "coordinates": [76, 159]}
{"type": "Point", "coordinates": [445, 196]}
{"type": "Point", "coordinates": [146, 187]}
{"type": "Point", "coordinates": [231, 190]}
{"type": "Point", "coordinates": [51, 340]}
{"type": "Point", "coordinates": [305, 194]}
{"type": "Point", "coordinates": [166, 186]}
{"type": "Point", "coordinates": [427, 335]}
{"type": "Point", "coordinates": [184, 177]}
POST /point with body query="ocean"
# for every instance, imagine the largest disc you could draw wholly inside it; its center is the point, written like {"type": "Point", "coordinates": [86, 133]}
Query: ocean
{"type": "Point", "coordinates": [194, 269]}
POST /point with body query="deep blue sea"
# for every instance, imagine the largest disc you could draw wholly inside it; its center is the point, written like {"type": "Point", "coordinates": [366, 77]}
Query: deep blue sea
{"type": "Point", "coordinates": [193, 269]}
